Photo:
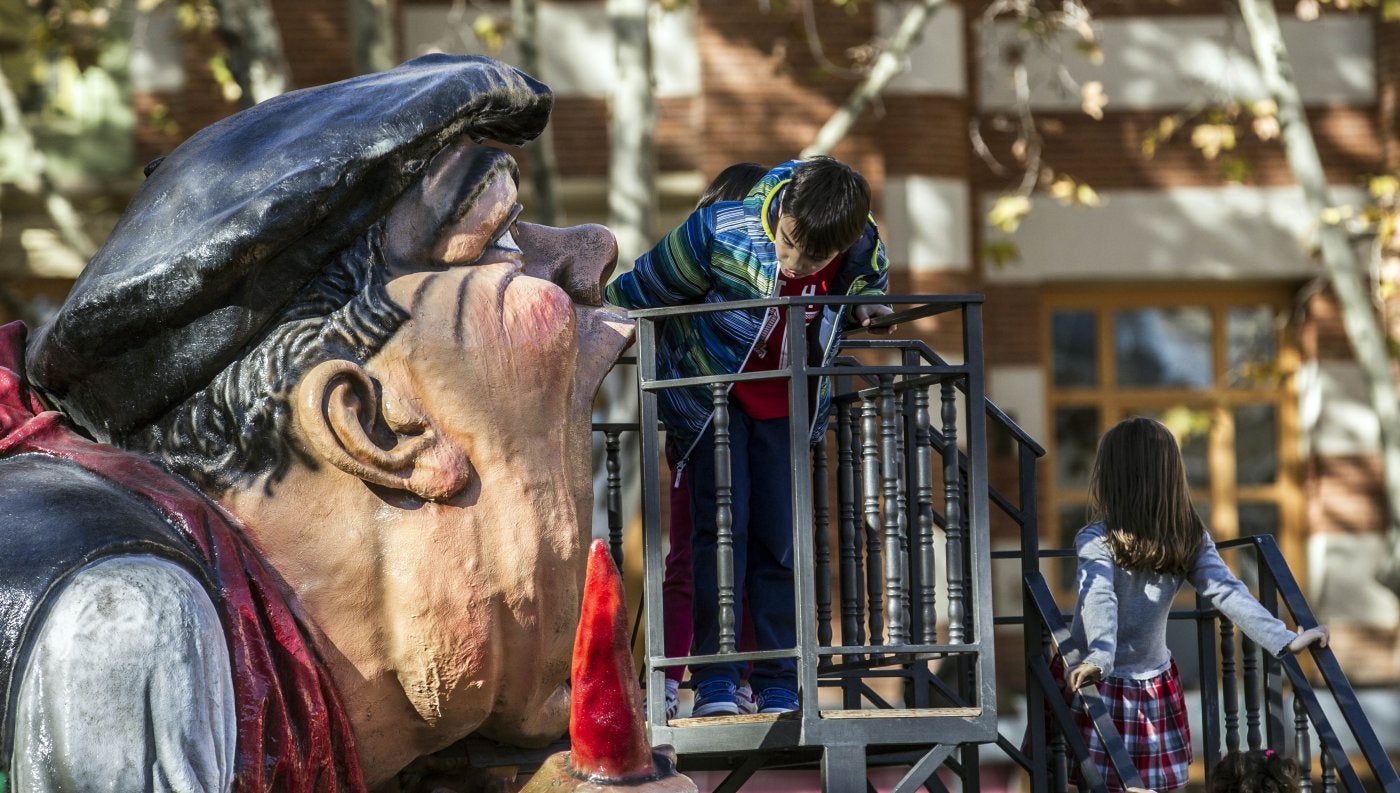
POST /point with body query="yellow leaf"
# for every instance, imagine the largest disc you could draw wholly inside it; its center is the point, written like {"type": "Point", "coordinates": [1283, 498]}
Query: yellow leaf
{"type": "Point", "coordinates": [1008, 211]}
{"type": "Point", "coordinates": [1087, 196]}
{"type": "Point", "coordinates": [1062, 189]}
{"type": "Point", "coordinates": [1334, 215]}
{"type": "Point", "coordinates": [488, 32]}
{"type": "Point", "coordinates": [1266, 127]}
{"type": "Point", "coordinates": [1166, 127]}
{"type": "Point", "coordinates": [1093, 99]}
{"type": "Point", "coordinates": [1264, 107]}
{"type": "Point", "coordinates": [1384, 188]}
{"type": "Point", "coordinates": [1307, 10]}
{"type": "Point", "coordinates": [1211, 139]}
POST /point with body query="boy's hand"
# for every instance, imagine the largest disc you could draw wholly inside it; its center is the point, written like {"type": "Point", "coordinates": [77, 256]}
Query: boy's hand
{"type": "Point", "coordinates": [865, 312]}
{"type": "Point", "coordinates": [1082, 675]}
{"type": "Point", "coordinates": [1319, 636]}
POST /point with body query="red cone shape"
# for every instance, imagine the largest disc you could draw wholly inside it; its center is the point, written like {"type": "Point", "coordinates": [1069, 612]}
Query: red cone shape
{"type": "Point", "coordinates": [605, 714]}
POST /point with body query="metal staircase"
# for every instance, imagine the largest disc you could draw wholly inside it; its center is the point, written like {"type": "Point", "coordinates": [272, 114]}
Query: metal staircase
{"type": "Point", "coordinates": [893, 560]}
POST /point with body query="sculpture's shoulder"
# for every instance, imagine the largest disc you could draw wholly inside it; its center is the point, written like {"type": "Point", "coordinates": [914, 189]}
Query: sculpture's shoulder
{"type": "Point", "coordinates": [55, 518]}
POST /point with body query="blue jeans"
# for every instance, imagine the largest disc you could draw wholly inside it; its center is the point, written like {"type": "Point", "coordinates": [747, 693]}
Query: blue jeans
{"type": "Point", "coordinates": [761, 473]}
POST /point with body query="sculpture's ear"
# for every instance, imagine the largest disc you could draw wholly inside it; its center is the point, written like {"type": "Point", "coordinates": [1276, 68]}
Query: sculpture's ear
{"type": "Point", "coordinates": [342, 416]}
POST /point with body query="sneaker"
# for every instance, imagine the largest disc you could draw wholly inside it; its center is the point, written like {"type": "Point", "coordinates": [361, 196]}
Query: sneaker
{"type": "Point", "coordinates": [673, 698]}
{"type": "Point", "coordinates": [744, 696]}
{"type": "Point", "coordinates": [775, 699]}
{"type": "Point", "coordinates": [715, 698]}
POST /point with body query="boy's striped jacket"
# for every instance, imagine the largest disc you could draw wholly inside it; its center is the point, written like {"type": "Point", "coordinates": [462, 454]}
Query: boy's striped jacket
{"type": "Point", "coordinates": [724, 253]}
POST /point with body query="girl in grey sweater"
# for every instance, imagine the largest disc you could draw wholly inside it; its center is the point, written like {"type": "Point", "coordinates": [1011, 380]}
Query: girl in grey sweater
{"type": "Point", "coordinates": [1146, 541]}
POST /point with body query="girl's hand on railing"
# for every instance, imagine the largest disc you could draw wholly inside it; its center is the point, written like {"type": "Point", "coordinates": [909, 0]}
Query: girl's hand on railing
{"type": "Point", "coordinates": [1082, 675]}
{"type": "Point", "coordinates": [1319, 636]}
{"type": "Point", "coordinates": [865, 313]}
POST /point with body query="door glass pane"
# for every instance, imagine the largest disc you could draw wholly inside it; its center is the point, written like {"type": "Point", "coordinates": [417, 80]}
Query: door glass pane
{"type": "Point", "coordinates": [1256, 444]}
{"type": "Point", "coordinates": [1163, 347]}
{"type": "Point", "coordinates": [1261, 517]}
{"type": "Point", "coordinates": [1251, 345]}
{"type": "Point", "coordinates": [1075, 354]}
{"type": "Point", "coordinates": [1076, 439]}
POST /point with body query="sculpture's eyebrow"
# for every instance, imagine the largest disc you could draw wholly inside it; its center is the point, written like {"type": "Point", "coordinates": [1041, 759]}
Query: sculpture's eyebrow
{"type": "Point", "coordinates": [485, 166]}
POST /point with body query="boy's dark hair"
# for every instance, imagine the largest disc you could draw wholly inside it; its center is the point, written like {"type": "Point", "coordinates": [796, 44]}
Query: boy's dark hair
{"type": "Point", "coordinates": [829, 204]}
{"type": "Point", "coordinates": [1255, 771]}
{"type": "Point", "coordinates": [732, 184]}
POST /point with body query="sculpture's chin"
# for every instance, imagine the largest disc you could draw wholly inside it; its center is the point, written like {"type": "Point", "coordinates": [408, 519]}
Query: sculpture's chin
{"type": "Point", "coordinates": [532, 727]}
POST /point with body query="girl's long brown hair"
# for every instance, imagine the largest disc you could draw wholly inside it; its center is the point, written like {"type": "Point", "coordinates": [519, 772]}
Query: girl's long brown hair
{"type": "Point", "coordinates": [1138, 489]}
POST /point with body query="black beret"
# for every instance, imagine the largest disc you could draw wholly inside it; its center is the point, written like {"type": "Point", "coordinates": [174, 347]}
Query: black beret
{"type": "Point", "coordinates": [234, 222]}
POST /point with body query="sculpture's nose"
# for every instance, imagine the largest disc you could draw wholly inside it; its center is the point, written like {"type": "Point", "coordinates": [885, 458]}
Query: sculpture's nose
{"type": "Point", "coordinates": [580, 259]}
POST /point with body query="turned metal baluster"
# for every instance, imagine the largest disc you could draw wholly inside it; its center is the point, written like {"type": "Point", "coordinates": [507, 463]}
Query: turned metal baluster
{"type": "Point", "coordinates": [852, 629]}
{"type": "Point", "coordinates": [612, 443]}
{"type": "Point", "coordinates": [724, 519]}
{"type": "Point", "coordinates": [1059, 759]}
{"type": "Point", "coordinates": [902, 500]}
{"type": "Point", "coordinates": [1301, 740]}
{"type": "Point", "coordinates": [1250, 651]}
{"type": "Point", "coordinates": [923, 460]}
{"type": "Point", "coordinates": [1229, 692]}
{"type": "Point", "coordinates": [821, 519]}
{"type": "Point", "coordinates": [1329, 770]}
{"type": "Point", "coordinates": [953, 515]}
{"type": "Point", "coordinates": [870, 479]}
{"type": "Point", "coordinates": [895, 595]}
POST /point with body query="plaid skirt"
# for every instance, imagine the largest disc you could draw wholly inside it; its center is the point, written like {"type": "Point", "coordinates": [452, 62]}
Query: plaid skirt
{"type": "Point", "coordinates": [1151, 716]}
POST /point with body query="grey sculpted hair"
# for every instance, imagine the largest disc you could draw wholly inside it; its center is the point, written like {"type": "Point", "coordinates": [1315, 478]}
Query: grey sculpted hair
{"type": "Point", "coordinates": [238, 427]}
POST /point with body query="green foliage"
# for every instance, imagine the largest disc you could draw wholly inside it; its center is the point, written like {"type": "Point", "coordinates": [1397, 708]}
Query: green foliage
{"type": "Point", "coordinates": [69, 75]}
{"type": "Point", "coordinates": [1001, 253]}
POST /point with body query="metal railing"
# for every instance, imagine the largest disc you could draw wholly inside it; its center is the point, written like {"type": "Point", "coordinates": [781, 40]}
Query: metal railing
{"type": "Point", "coordinates": [894, 640]}
{"type": "Point", "coordinates": [892, 513]}
{"type": "Point", "coordinates": [1237, 682]}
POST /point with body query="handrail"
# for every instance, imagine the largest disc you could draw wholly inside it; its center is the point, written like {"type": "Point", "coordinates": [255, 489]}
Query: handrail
{"type": "Point", "coordinates": [1267, 550]}
{"type": "Point", "coordinates": [1038, 594]}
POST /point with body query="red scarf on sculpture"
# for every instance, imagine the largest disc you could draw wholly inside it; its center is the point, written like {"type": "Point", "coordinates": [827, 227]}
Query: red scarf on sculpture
{"type": "Point", "coordinates": [293, 734]}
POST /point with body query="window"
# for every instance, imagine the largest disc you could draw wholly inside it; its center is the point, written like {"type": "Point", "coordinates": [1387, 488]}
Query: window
{"type": "Point", "coordinates": [1214, 364]}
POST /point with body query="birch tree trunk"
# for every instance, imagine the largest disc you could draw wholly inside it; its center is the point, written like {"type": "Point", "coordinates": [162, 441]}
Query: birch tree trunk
{"type": "Point", "coordinates": [371, 43]}
{"type": "Point", "coordinates": [255, 54]}
{"type": "Point", "coordinates": [631, 206]}
{"type": "Point", "coordinates": [631, 131]}
{"type": "Point", "coordinates": [544, 168]}
{"type": "Point", "coordinates": [1339, 259]}
{"type": "Point", "coordinates": [889, 64]}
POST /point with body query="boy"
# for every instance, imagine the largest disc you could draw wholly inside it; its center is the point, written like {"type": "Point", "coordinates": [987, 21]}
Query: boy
{"type": "Point", "coordinates": [804, 229]}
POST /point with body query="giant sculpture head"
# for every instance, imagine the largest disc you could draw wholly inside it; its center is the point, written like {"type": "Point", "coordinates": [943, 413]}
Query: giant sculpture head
{"type": "Point", "coordinates": [325, 312]}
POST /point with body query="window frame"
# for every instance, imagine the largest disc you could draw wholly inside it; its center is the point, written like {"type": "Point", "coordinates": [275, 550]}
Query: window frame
{"type": "Point", "coordinates": [1222, 493]}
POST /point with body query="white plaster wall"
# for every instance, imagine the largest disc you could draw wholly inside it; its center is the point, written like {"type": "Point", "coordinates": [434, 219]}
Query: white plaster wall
{"type": "Point", "coordinates": [1335, 410]}
{"type": "Point", "coordinates": [1019, 390]}
{"type": "Point", "coordinates": [1166, 63]}
{"type": "Point", "coordinates": [936, 65]}
{"type": "Point", "coordinates": [1228, 232]}
{"type": "Point", "coordinates": [1343, 588]}
{"type": "Point", "coordinates": [924, 222]}
{"type": "Point", "coordinates": [577, 52]}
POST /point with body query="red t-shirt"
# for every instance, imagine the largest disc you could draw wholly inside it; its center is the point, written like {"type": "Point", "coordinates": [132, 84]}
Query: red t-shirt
{"type": "Point", "coordinates": [768, 399]}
